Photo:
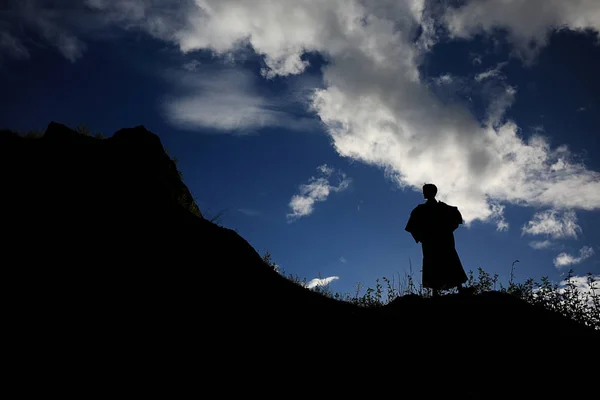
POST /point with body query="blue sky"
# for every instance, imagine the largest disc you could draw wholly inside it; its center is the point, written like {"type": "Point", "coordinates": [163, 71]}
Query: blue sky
{"type": "Point", "coordinates": [313, 125]}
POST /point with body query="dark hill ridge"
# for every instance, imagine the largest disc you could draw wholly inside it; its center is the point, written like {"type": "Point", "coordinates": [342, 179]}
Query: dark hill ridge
{"type": "Point", "coordinates": [109, 264]}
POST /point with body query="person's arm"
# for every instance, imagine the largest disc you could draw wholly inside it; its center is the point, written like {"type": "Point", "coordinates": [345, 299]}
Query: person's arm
{"type": "Point", "coordinates": [416, 237]}
{"type": "Point", "coordinates": [412, 226]}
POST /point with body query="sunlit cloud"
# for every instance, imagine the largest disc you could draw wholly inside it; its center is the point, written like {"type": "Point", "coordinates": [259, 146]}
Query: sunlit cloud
{"type": "Point", "coordinates": [321, 281]}
{"type": "Point", "coordinates": [528, 23]}
{"type": "Point", "coordinates": [565, 259]}
{"type": "Point", "coordinates": [228, 100]}
{"type": "Point", "coordinates": [316, 190]}
{"type": "Point", "coordinates": [553, 224]}
{"type": "Point", "coordinates": [587, 286]}
{"type": "Point", "coordinates": [377, 110]}
{"type": "Point", "coordinates": [541, 244]}
{"type": "Point", "coordinates": [582, 283]}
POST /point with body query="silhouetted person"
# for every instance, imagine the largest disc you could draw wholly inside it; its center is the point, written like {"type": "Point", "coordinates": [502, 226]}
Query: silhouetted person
{"type": "Point", "coordinates": [433, 224]}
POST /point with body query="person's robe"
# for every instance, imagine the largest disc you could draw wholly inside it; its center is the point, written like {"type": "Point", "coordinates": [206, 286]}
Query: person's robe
{"type": "Point", "coordinates": [433, 224]}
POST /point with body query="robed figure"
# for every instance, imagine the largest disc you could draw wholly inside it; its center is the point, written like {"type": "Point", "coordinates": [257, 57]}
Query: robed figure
{"type": "Point", "coordinates": [433, 224]}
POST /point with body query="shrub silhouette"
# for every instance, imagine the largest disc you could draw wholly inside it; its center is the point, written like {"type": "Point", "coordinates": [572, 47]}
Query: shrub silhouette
{"type": "Point", "coordinates": [569, 301]}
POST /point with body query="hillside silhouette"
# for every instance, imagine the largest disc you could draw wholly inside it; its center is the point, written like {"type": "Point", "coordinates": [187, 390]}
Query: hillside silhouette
{"type": "Point", "coordinates": [114, 282]}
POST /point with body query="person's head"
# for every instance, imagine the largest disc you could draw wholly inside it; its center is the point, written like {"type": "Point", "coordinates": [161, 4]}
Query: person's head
{"type": "Point", "coordinates": [429, 191]}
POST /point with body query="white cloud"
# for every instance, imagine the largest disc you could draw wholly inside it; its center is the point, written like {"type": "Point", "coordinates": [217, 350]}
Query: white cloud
{"type": "Point", "coordinates": [583, 287]}
{"type": "Point", "coordinates": [444, 79]}
{"type": "Point", "coordinates": [528, 22]}
{"type": "Point", "coordinates": [377, 110]}
{"type": "Point", "coordinates": [586, 290]}
{"type": "Point", "coordinates": [229, 100]}
{"type": "Point", "coordinates": [374, 104]}
{"type": "Point", "coordinates": [280, 30]}
{"type": "Point", "coordinates": [541, 244]}
{"type": "Point", "coordinates": [564, 259]}
{"type": "Point", "coordinates": [71, 47]}
{"type": "Point", "coordinates": [502, 99]}
{"type": "Point", "coordinates": [581, 283]}
{"type": "Point", "coordinates": [325, 169]}
{"type": "Point", "coordinates": [192, 65]}
{"type": "Point", "coordinates": [159, 18]}
{"type": "Point", "coordinates": [495, 72]}
{"type": "Point", "coordinates": [343, 260]}
{"type": "Point", "coordinates": [553, 224]}
{"type": "Point", "coordinates": [321, 281]}
{"type": "Point", "coordinates": [502, 225]}
{"type": "Point", "coordinates": [316, 190]}
{"type": "Point", "coordinates": [497, 215]}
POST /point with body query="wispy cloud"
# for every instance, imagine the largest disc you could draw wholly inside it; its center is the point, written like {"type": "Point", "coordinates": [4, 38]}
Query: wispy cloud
{"type": "Point", "coordinates": [503, 98]}
{"type": "Point", "coordinates": [325, 170]}
{"type": "Point", "coordinates": [537, 129]}
{"type": "Point", "coordinates": [553, 224]}
{"type": "Point", "coordinates": [541, 244]}
{"type": "Point", "coordinates": [229, 100]}
{"type": "Point", "coordinates": [528, 28]}
{"type": "Point", "coordinates": [495, 72]}
{"type": "Point", "coordinates": [192, 65]}
{"type": "Point", "coordinates": [444, 79]}
{"type": "Point", "coordinates": [502, 225]}
{"type": "Point", "coordinates": [343, 260]}
{"type": "Point", "coordinates": [54, 23]}
{"type": "Point", "coordinates": [249, 212]}
{"type": "Point", "coordinates": [564, 259]}
{"type": "Point", "coordinates": [13, 46]}
{"type": "Point", "coordinates": [498, 215]}
{"type": "Point", "coordinates": [321, 281]}
{"type": "Point", "coordinates": [316, 190]}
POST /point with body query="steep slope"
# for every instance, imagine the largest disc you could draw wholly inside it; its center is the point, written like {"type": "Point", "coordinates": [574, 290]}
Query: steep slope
{"type": "Point", "coordinates": [108, 261]}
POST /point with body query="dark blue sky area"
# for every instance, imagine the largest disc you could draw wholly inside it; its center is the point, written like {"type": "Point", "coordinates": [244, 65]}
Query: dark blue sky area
{"type": "Point", "coordinates": [558, 92]}
{"type": "Point", "coordinates": [358, 234]}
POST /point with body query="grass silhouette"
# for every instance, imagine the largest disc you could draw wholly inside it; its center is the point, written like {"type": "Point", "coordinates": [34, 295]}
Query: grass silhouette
{"type": "Point", "coordinates": [567, 299]}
